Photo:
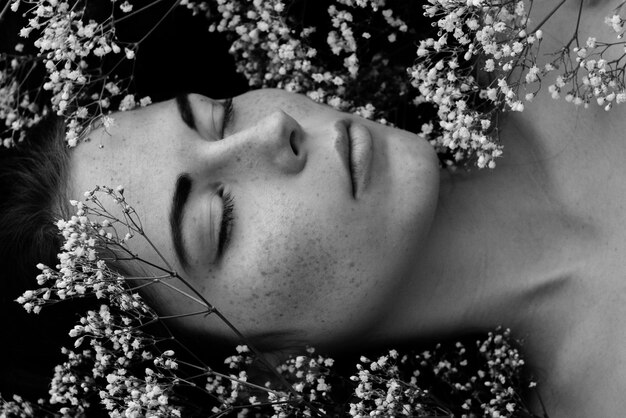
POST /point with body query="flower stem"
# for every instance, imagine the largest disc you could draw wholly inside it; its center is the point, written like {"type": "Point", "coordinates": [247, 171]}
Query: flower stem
{"type": "Point", "coordinates": [549, 15]}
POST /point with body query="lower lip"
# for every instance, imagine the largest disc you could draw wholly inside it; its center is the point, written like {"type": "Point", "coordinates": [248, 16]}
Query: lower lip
{"type": "Point", "coordinates": [360, 156]}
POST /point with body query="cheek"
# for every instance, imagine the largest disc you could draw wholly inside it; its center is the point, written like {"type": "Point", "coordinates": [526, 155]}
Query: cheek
{"type": "Point", "coordinates": [296, 274]}
{"type": "Point", "coordinates": [293, 269]}
{"type": "Point", "coordinates": [311, 280]}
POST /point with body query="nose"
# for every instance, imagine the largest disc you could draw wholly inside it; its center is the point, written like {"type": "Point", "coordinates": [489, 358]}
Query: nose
{"type": "Point", "coordinates": [279, 139]}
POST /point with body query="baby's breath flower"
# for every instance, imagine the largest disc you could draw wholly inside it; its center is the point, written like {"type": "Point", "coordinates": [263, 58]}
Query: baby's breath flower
{"type": "Point", "coordinates": [65, 41]}
{"type": "Point", "coordinates": [495, 36]}
{"type": "Point", "coordinates": [126, 7]}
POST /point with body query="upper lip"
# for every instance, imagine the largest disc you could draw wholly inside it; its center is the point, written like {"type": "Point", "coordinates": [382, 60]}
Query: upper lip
{"type": "Point", "coordinates": [354, 144]}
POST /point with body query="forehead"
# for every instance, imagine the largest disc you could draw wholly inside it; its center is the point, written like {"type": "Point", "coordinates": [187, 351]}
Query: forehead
{"type": "Point", "coordinates": [138, 151]}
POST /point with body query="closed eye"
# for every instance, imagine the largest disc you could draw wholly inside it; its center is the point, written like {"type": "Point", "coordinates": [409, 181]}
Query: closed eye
{"type": "Point", "coordinates": [226, 225]}
{"type": "Point", "coordinates": [228, 116]}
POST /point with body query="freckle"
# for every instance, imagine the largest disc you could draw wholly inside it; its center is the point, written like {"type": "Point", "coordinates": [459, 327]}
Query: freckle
{"type": "Point", "coordinates": [351, 264]}
{"type": "Point", "coordinates": [238, 159]}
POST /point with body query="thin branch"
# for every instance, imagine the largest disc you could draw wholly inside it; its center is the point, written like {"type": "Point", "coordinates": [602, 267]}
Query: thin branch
{"type": "Point", "coordinates": [4, 11]}
{"type": "Point", "coordinates": [548, 16]}
{"type": "Point", "coordinates": [166, 317]}
{"type": "Point", "coordinates": [141, 9]}
{"type": "Point", "coordinates": [171, 9]}
{"type": "Point", "coordinates": [575, 34]}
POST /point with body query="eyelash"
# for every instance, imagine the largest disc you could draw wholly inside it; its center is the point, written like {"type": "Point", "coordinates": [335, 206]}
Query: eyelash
{"type": "Point", "coordinates": [228, 202]}
{"type": "Point", "coordinates": [227, 221]}
{"type": "Point", "coordinates": [228, 115]}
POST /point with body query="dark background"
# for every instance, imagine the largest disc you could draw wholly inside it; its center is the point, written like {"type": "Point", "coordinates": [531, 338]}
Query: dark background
{"type": "Point", "coordinates": [183, 56]}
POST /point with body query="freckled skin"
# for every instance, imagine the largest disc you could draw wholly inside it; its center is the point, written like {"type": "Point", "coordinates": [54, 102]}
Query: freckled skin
{"type": "Point", "coordinates": [305, 258]}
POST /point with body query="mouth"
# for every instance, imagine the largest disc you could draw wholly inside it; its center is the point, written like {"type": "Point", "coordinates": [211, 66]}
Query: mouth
{"type": "Point", "coordinates": [354, 144]}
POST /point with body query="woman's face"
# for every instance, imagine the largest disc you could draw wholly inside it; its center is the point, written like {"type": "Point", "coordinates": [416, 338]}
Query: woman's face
{"type": "Point", "coordinates": [265, 215]}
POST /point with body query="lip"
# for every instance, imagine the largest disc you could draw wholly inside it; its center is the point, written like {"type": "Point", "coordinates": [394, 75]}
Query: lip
{"type": "Point", "coordinates": [354, 144]}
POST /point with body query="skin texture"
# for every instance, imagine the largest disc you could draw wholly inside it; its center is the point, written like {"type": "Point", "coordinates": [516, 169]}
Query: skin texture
{"type": "Point", "coordinates": [307, 262]}
{"type": "Point", "coordinates": [536, 245]}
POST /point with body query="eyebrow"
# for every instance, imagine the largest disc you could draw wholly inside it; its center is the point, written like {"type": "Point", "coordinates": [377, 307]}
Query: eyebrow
{"type": "Point", "coordinates": [177, 212]}
{"type": "Point", "coordinates": [184, 108]}
{"type": "Point", "coordinates": [182, 188]}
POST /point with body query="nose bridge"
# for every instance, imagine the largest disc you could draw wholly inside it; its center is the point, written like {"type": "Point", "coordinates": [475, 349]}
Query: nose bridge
{"type": "Point", "coordinates": [277, 141]}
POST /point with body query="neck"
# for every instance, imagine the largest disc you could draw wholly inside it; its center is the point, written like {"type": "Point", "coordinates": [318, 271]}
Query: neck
{"type": "Point", "coordinates": [503, 251]}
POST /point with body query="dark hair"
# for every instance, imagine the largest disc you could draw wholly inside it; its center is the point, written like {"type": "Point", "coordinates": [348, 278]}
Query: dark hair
{"type": "Point", "coordinates": [33, 195]}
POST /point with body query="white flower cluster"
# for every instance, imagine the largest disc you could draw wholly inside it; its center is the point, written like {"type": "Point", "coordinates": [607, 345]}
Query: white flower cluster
{"type": "Point", "coordinates": [71, 49]}
{"type": "Point", "coordinates": [590, 77]}
{"type": "Point", "coordinates": [483, 35]}
{"type": "Point", "coordinates": [496, 388]}
{"type": "Point", "coordinates": [16, 108]}
{"type": "Point", "coordinates": [16, 407]}
{"type": "Point", "coordinates": [487, 381]}
{"type": "Point", "coordinates": [80, 271]}
{"type": "Point", "coordinates": [484, 380]}
{"type": "Point", "coordinates": [116, 346]}
{"type": "Point", "coordinates": [112, 340]}
{"type": "Point", "coordinates": [484, 62]}
{"type": "Point", "coordinates": [382, 391]}
{"type": "Point", "coordinates": [195, 7]}
{"type": "Point", "coordinates": [274, 50]}
{"type": "Point", "coordinates": [308, 377]}
{"type": "Point", "coordinates": [229, 390]}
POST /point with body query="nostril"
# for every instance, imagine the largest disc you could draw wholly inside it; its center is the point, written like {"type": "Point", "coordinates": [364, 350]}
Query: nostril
{"type": "Point", "coordinates": [293, 142]}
